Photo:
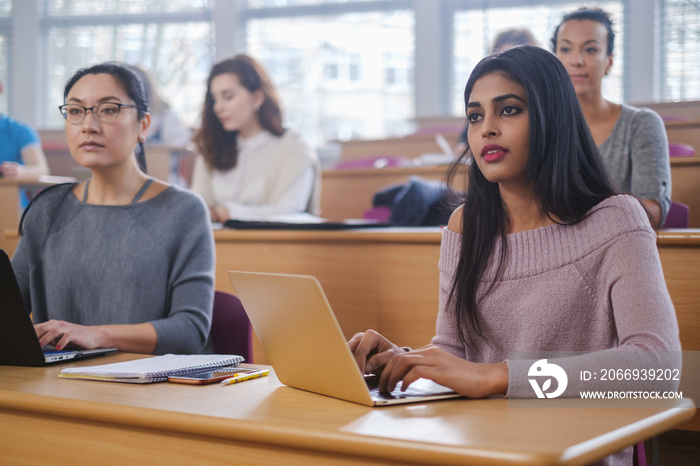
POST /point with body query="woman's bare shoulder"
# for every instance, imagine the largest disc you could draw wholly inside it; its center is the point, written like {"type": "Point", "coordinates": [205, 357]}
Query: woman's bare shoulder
{"type": "Point", "coordinates": [455, 223]}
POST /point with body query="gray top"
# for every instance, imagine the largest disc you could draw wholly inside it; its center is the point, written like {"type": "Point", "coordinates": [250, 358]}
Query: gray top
{"type": "Point", "coordinates": [636, 156]}
{"type": "Point", "coordinates": [150, 261]}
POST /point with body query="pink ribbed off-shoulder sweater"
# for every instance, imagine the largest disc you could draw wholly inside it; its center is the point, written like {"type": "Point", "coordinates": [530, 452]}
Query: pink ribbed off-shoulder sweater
{"type": "Point", "coordinates": [589, 296]}
{"type": "Point", "coordinates": [595, 286]}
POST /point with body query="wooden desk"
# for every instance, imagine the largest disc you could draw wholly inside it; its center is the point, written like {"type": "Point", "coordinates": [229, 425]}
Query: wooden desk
{"type": "Point", "coordinates": [413, 145]}
{"type": "Point", "coordinates": [158, 158]}
{"type": "Point", "coordinates": [387, 280]}
{"type": "Point", "coordinates": [348, 193]}
{"type": "Point", "coordinates": [9, 204]}
{"type": "Point", "coordinates": [44, 419]}
{"type": "Point", "coordinates": [685, 184]}
{"type": "Point", "coordinates": [685, 131]}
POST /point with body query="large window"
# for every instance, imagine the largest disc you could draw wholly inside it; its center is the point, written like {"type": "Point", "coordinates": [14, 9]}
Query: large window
{"type": "Point", "coordinates": [343, 68]}
{"type": "Point", "coordinates": [112, 7]}
{"type": "Point", "coordinates": [682, 50]}
{"type": "Point", "coordinates": [4, 77]}
{"type": "Point", "coordinates": [282, 3]}
{"type": "Point", "coordinates": [476, 29]}
{"type": "Point", "coordinates": [171, 40]}
{"type": "Point", "coordinates": [5, 24]}
{"type": "Point", "coordinates": [343, 76]}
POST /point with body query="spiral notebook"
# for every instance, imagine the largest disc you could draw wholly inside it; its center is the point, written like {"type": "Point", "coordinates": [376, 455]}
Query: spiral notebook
{"type": "Point", "coordinates": [154, 369]}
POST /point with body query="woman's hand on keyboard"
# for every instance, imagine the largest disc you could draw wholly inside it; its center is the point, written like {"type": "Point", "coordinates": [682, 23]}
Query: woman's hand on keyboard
{"type": "Point", "coordinates": [474, 380]}
{"type": "Point", "coordinates": [372, 351]}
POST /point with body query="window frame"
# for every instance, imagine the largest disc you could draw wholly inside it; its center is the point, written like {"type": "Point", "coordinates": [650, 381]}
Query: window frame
{"type": "Point", "coordinates": [643, 74]}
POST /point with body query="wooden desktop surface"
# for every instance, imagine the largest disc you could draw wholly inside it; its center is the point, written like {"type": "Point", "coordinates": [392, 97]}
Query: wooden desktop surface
{"type": "Point", "coordinates": [685, 184]}
{"type": "Point", "coordinates": [387, 280]}
{"type": "Point", "coordinates": [44, 419]}
{"type": "Point", "coordinates": [349, 193]}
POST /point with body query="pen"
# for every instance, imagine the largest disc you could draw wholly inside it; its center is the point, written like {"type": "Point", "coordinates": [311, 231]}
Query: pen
{"type": "Point", "coordinates": [243, 377]}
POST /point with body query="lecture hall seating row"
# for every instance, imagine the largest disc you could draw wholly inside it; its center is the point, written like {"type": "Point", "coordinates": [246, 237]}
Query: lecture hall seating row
{"type": "Point", "coordinates": [348, 193]}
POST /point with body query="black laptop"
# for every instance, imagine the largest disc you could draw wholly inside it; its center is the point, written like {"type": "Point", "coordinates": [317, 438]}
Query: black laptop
{"type": "Point", "coordinates": [19, 345]}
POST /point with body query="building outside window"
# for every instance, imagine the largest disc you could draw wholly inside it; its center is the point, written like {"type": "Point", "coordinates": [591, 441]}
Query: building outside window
{"type": "Point", "coordinates": [171, 39]}
{"type": "Point", "coordinates": [5, 34]}
{"type": "Point", "coordinates": [343, 69]}
{"type": "Point", "coordinates": [342, 91]}
{"type": "Point", "coordinates": [681, 50]}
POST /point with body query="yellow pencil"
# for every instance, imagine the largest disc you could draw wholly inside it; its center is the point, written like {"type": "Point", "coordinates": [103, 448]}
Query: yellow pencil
{"type": "Point", "coordinates": [243, 377]}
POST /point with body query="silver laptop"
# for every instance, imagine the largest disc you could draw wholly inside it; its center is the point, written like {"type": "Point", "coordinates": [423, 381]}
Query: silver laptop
{"type": "Point", "coordinates": [302, 338]}
{"type": "Point", "coordinates": [19, 344]}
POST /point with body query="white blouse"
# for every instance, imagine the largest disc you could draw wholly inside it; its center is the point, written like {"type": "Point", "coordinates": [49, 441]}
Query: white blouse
{"type": "Point", "coordinates": [271, 178]}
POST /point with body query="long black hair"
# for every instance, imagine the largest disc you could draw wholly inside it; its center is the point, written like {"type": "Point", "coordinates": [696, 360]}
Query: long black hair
{"type": "Point", "coordinates": [564, 166]}
{"type": "Point", "coordinates": [132, 84]}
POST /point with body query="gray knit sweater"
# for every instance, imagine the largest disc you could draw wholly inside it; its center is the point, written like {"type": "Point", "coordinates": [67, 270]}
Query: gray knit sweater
{"type": "Point", "coordinates": [151, 261]}
{"type": "Point", "coordinates": [636, 156]}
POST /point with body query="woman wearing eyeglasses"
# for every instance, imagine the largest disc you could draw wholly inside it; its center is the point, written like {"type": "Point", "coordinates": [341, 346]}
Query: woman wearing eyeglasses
{"type": "Point", "coordinates": [121, 260]}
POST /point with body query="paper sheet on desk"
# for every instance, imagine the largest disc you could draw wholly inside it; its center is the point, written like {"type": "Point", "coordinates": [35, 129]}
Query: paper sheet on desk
{"type": "Point", "coordinates": [323, 224]}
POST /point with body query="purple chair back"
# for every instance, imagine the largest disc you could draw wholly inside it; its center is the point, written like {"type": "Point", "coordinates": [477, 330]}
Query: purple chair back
{"type": "Point", "coordinates": [380, 213]}
{"type": "Point", "coordinates": [678, 216]}
{"type": "Point", "coordinates": [231, 331]}
{"type": "Point", "coordinates": [676, 149]}
{"type": "Point", "coordinates": [639, 458]}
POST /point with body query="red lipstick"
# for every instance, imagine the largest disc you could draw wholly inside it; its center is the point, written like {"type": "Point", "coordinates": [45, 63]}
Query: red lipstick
{"type": "Point", "coordinates": [493, 153]}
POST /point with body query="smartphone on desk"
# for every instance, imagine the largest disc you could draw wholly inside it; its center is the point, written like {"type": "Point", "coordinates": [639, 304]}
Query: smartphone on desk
{"type": "Point", "coordinates": [203, 378]}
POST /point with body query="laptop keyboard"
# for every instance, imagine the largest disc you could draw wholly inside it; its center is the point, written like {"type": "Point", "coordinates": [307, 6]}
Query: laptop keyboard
{"type": "Point", "coordinates": [372, 382]}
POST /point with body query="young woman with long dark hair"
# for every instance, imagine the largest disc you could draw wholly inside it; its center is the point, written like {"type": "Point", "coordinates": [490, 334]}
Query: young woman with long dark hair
{"type": "Point", "coordinates": [251, 168]}
{"type": "Point", "coordinates": [543, 255]}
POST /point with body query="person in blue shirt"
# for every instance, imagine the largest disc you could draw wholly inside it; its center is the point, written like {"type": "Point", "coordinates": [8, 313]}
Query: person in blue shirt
{"type": "Point", "coordinates": [21, 155]}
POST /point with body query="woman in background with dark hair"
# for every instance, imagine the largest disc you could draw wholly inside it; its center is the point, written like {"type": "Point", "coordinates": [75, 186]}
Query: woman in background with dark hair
{"type": "Point", "coordinates": [251, 168]}
{"type": "Point", "coordinates": [121, 260]}
{"type": "Point", "coordinates": [542, 256]}
{"type": "Point", "coordinates": [632, 141]}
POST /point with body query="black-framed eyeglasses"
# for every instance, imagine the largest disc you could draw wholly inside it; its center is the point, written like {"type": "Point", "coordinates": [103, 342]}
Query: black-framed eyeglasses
{"type": "Point", "coordinates": [106, 112]}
